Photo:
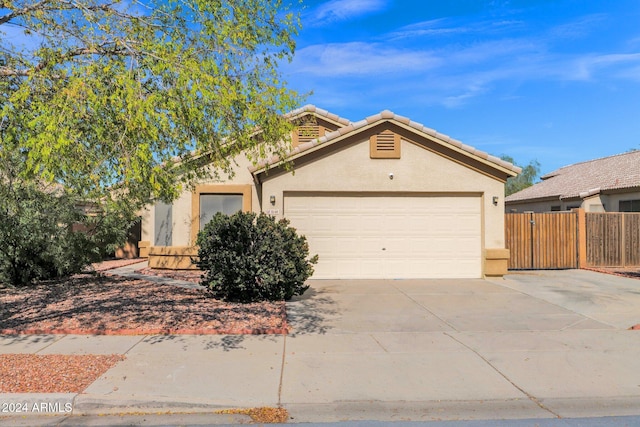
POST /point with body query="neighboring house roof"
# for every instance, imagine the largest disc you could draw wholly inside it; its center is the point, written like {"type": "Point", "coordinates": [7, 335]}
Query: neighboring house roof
{"type": "Point", "coordinates": [585, 179]}
{"type": "Point", "coordinates": [351, 128]}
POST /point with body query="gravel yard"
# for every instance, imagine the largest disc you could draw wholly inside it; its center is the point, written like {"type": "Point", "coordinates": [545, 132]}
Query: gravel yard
{"type": "Point", "coordinates": [186, 275]}
{"type": "Point", "coordinates": [631, 272]}
{"type": "Point", "coordinates": [97, 304]}
{"type": "Point", "coordinates": [52, 373]}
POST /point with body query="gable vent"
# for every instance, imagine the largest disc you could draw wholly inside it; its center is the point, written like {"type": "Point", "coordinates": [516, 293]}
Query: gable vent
{"type": "Point", "coordinates": [385, 141]}
{"type": "Point", "coordinates": [385, 145]}
{"type": "Point", "coordinates": [306, 133]}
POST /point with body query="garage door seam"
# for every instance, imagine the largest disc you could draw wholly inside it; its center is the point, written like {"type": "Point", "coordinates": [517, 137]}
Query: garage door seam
{"type": "Point", "coordinates": [523, 391]}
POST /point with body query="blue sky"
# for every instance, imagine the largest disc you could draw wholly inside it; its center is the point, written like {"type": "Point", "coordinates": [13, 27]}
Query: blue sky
{"type": "Point", "coordinates": [557, 81]}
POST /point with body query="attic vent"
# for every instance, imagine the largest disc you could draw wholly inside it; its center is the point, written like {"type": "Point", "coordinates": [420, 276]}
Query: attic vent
{"type": "Point", "coordinates": [306, 133]}
{"type": "Point", "coordinates": [385, 145]}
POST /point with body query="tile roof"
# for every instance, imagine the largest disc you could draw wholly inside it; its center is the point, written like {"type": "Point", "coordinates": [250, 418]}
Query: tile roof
{"type": "Point", "coordinates": [385, 115]}
{"type": "Point", "coordinates": [317, 111]}
{"type": "Point", "coordinates": [586, 178]}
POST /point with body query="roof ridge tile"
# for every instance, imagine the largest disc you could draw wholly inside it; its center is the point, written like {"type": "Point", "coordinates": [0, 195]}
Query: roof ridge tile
{"type": "Point", "coordinates": [359, 124]}
{"type": "Point", "coordinates": [402, 119]}
{"type": "Point", "coordinates": [374, 118]}
{"type": "Point", "coordinates": [455, 142]}
{"type": "Point", "coordinates": [447, 138]}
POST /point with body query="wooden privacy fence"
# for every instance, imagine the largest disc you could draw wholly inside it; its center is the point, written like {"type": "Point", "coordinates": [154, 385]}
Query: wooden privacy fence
{"type": "Point", "coordinates": [575, 239]}
{"type": "Point", "coordinates": [613, 239]}
{"type": "Point", "coordinates": [542, 240]}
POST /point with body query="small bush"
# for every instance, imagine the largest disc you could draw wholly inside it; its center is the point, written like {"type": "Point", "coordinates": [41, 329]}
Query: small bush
{"type": "Point", "coordinates": [248, 257]}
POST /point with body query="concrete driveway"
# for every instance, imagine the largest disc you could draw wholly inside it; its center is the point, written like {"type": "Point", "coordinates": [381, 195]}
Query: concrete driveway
{"type": "Point", "coordinates": [605, 298]}
{"type": "Point", "coordinates": [532, 345]}
{"type": "Point", "coordinates": [521, 302]}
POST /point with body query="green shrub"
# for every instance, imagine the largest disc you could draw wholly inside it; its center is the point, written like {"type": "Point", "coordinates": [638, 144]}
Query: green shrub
{"type": "Point", "coordinates": [247, 257]}
{"type": "Point", "coordinates": [45, 234]}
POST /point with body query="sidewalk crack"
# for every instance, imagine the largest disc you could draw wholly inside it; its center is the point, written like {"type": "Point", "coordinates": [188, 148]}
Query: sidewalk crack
{"type": "Point", "coordinates": [378, 342]}
{"type": "Point", "coordinates": [426, 308]}
{"type": "Point", "coordinates": [284, 353]}
{"type": "Point", "coordinates": [51, 343]}
{"type": "Point", "coordinates": [523, 391]}
{"type": "Point", "coordinates": [135, 344]}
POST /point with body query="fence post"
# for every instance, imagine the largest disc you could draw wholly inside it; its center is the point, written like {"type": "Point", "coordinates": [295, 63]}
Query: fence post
{"type": "Point", "coordinates": [623, 243]}
{"type": "Point", "coordinates": [582, 236]}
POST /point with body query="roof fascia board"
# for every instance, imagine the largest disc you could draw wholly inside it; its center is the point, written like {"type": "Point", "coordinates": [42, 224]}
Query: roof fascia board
{"type": "Point", "coordinates": [458, 147]}
{"type": "Point", "coordinates": [555, 198]}
{"type": "Point", "coordinates": [621, 190]}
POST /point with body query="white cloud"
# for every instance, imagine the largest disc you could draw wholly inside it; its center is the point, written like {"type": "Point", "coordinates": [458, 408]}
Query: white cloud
{"type": "Point", "coordinates": [394, 67]}
{"type": "Point", "coordinates": [451, 76]}
{"type": "Point", "coordinates": [446, 27]}
{"type": "Point", "coordinates": [587, 67]}
{"type": "Point", "coordinates": [578, 28]}
{"type": "Point", "coordinates": [358, 59]}
{"type": "Point", "coordinates": [342, 10]}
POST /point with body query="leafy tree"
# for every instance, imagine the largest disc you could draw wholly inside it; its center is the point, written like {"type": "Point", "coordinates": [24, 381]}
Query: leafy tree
{"type": "Point", "coordinates": [121, 102]}
{"type": "Point", "coordinates": [98, 92]}
{"type": "Point", "coordinates": [526, 178]}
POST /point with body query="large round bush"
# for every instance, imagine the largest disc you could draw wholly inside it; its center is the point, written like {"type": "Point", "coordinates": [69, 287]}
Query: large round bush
{"type": "Point", "coordinates": [247, 257]}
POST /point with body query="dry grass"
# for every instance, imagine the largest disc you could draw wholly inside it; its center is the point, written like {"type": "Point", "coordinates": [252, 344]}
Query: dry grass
{"type": "Point", "coordinates": [265, 415]}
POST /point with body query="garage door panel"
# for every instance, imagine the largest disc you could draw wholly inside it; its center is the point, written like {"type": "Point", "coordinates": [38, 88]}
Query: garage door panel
{"type": "Point", "coordinates": [322, 222]}
{"type": "Point", "coordinates": [328, 246]}
{"type": "Point", "coordinates": [370, 267]}
{"type": "Point", "coordinates": [422, 237]}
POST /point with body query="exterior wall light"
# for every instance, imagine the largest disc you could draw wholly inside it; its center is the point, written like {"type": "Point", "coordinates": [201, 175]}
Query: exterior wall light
{"type": "Point", "coordinates": [272, 200]}
{"type": "Point", "coordinates": [495, 200]}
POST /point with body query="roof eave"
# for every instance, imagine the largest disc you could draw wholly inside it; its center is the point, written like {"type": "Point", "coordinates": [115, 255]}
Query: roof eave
{"type": "Point", "coordinates": [341, 134]}
{"type": "Point", "coordinates": [553, 198]}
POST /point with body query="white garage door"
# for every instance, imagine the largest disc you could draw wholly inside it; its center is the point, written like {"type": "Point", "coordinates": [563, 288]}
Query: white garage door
{"type": "Point", "coordinates": [390, 237]}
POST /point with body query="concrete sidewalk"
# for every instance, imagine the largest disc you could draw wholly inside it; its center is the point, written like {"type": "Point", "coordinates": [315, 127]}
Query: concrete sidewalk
{"type": "Point", "coordinates": [390, 350]}
{"type": "Point", "coordinates": [131, 271]}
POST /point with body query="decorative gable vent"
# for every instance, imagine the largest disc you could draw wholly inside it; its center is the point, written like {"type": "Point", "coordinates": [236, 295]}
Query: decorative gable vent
{"type": "Point", "coordinates": [385, 145]}
{"type": "Point", "coordinates": [307, 132]}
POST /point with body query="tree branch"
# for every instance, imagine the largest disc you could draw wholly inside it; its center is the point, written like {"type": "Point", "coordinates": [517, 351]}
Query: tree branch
{"type": "Point", "coordinates": [25, 10]}
{"type": "Point", "coordinates": [114, 50]}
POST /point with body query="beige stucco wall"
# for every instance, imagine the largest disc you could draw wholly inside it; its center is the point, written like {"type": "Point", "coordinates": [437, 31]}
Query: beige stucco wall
{"type": "Point", "coordinates": [181, 215]}
{"type": "Point", "coordinates": [595, 203]}
{"type": "Point", "coordinates": [419, 170]}
{"type": "Point", "coordinates": [147, 224]}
